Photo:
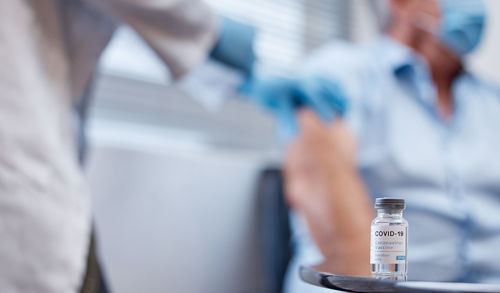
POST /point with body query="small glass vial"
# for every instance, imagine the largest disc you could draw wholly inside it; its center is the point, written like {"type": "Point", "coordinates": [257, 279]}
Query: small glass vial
{"type": "Point", "coordinates": [389, 236]}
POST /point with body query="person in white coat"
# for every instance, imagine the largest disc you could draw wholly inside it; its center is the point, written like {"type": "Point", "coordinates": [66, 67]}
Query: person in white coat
{"type": "Point", "coordinates": [48, 54]}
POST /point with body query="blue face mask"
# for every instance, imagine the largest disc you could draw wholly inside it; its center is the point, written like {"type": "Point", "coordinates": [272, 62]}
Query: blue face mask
{"type": "Point", "coordinates": [462, 23]}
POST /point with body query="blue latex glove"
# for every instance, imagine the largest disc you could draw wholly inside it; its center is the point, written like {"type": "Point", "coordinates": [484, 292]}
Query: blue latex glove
{"type": "Point", "coordinates": [284, 96]}
{"type": "Point", "coordinates": [235, 45]}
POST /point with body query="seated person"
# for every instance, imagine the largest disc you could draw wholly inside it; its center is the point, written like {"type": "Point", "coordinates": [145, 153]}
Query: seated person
{"type": "Point", "coordinates": [418, 126]}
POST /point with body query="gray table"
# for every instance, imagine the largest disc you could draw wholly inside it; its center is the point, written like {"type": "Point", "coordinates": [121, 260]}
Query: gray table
{"type": "Point", "coordinates": [369, 285]}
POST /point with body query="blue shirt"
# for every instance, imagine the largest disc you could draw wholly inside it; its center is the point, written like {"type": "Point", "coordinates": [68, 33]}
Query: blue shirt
{"type": "Point", "coordinates": [447, 171]}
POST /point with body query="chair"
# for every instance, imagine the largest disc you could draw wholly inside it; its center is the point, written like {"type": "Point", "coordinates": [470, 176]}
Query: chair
{"type": "Point", "coordinates": [274, 239]}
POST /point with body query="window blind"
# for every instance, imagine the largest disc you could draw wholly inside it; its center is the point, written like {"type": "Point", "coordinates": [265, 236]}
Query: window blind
{"type": "Point", "coordinates": [288, 29]}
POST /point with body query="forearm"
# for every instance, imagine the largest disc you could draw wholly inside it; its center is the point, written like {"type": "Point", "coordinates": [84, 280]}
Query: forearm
{"type": "Point", "coordinates": [182, 33]}
{"type": "Point", "coordinates": [323, 184]}
{"type": "Point", "coordinates": [339, 221]}
{"type": "Point", "coordinates": [338, 213]}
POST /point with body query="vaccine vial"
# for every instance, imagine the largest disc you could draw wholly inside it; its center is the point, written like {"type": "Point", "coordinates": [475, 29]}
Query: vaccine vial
{"type": "Point", "coordinates": [389, 235]}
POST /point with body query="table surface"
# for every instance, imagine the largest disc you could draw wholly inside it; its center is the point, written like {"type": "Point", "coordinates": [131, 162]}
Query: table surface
{"type": "Point", "coordinates": [370, 285]}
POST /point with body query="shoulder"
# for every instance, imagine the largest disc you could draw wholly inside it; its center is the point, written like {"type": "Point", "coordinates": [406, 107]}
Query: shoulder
{"type": "Point", "coordinates": [485, 86]}
{"type": "Point", "coordinates": [355, 68]}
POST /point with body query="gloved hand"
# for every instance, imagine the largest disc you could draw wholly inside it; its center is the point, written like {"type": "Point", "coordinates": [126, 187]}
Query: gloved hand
{"type": "Point", "coordinates": [284, 96]}
{"type": "Point", "coordinates": [235, 45]}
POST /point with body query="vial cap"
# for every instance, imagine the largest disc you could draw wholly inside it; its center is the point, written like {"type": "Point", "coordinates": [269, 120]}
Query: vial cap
{"type": "Point", "coordinates": [390, 203]}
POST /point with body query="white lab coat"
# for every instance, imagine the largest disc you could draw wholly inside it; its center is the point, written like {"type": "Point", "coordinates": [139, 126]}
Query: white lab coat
{"type": "Point", "coordinates": [48, 52]}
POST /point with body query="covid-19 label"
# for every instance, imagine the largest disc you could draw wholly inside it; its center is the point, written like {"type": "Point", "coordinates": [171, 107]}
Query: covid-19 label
{"type": "Point", "coordinates": [388, 245]}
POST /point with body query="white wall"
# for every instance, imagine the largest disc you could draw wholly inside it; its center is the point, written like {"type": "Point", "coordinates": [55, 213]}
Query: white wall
{"type": "Point", "coordinates": [173, 187]}
{"type": "Point", "coordinates": [173, 217]}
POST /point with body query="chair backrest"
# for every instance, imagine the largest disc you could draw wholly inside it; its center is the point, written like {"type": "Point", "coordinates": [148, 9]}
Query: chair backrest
{"type": "Point", "coordinates": [274, 230]}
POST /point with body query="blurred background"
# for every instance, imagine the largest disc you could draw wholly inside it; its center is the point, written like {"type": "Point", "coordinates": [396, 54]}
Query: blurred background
{"type": "Point", "coordinates": [174, 183]}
